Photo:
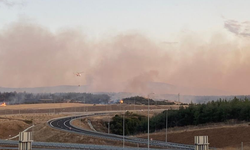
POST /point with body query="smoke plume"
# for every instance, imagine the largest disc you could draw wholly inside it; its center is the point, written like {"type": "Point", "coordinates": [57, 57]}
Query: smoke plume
{"type": "Point", "coordinates": [33, 56]}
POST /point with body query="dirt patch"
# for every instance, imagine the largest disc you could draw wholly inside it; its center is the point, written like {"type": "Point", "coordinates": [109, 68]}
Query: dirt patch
{"type": "Point", "coordinates": [219, 137]}
{"type": "Point", "coordinates": [99, 125]}
{"type": "Point", "coordinates": [82, 123]}
{"type": "Point", "coordinates": [98, 122]}
{"type": "Point", "coordinates": [10, 128]}
{"type": "Point", "coordinates": [34, 118]}
{"type": "Point", "coordinates": [235, 148]}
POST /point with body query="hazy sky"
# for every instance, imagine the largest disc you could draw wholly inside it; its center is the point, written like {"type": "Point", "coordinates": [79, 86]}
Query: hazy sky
{"type": "Point", "coordinates": [159, 19]}
{"type": "Point", "coordinates": [121, 44]}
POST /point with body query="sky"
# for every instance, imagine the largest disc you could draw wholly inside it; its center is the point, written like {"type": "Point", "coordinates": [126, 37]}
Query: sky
{"type": "Point", "coordinates": [120, 44]}
{"type": "Point", "coordinates": [159, 19]}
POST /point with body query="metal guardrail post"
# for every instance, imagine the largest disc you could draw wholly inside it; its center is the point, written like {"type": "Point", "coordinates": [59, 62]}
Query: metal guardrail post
{"type": "Point", "coordinates": [201, 143]}
{"type": "Point", "coordinates": [25, 141]}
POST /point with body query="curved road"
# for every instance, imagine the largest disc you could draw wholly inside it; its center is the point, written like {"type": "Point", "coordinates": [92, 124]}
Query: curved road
{"type": "Point", "coordinates": [65, 125]}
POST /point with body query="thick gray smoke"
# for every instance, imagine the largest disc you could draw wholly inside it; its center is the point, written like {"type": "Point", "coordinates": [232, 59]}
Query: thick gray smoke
{"type": "Point", "coordinates": [33, 56]}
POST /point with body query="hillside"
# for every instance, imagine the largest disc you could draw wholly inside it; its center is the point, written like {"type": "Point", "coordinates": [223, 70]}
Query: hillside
{"type": "Point", "coordinates": [220, 136]}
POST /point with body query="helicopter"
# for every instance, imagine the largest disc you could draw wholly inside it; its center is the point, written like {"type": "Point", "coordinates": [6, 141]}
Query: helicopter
{"type": "Point", "coordinates": [78, 74]}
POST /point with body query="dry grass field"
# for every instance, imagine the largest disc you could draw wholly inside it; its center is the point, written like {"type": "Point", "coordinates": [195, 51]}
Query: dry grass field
{"type": "Point", "coordinates": [75, 107]}
{"type": "Point", "coordinates": [67, 105]}
{"type": "Point", "coordinates": [46, 106]}
{"type": "Point", "coordinates": [9, 128]}
{"type": "Point", "coordinates": [82, 123]}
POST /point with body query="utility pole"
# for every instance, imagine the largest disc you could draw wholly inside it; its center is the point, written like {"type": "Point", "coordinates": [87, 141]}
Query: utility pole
{"type": "Point", "coordinates": [84, 103]}
{"type": "Point", "coordinates": [167, 125]}
{"type": "Point", "coordinates": [54, 106]}
{"type": "Point", "coordinates": [178, 97]}
{"type": "Point", "coordinates": [148, 118]}
{"type": "Point", "coordinates": [148, 123]}
{"type": "Point", "coordinates": [108, 126]}
{"type": "Point", "coordinates": [123, 129]}
{"type": "Point", "coordinates": [60, 107]}
{"type": "Point", "coordinates": [134, 103]}
{"type": "Point", "coordinates": [32, 133]}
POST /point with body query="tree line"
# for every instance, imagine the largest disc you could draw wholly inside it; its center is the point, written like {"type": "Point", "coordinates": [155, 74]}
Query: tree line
{"type": "Point", "coordinates": [133, 123]}
{"type": "Point", "coordinates": [221, 110]}
{"type": "Point", "coordinates": [28, 98]}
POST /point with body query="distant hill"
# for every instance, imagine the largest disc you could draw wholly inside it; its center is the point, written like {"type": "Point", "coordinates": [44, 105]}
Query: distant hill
{"type": "Point", "coordinates": [144, 101]}
{"type": "Point", "coordinates": [163, 91]}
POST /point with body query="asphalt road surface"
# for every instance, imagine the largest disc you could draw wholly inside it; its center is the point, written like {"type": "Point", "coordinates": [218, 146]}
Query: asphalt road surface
{"type": "Point", "coordinates": [65, 125]}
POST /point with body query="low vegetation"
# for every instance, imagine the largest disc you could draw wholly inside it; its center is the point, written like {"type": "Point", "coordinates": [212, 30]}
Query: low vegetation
{"type": "Point", "coordinates": [133, 123]}
{"type": "Point", "coordinates": [141, 100]}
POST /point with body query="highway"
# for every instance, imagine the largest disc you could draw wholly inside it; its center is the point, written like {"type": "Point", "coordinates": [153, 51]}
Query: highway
{"type": "Point", "coordinates": [65, 125]}
{"type": "Point", "coordinates": [9, 144]}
